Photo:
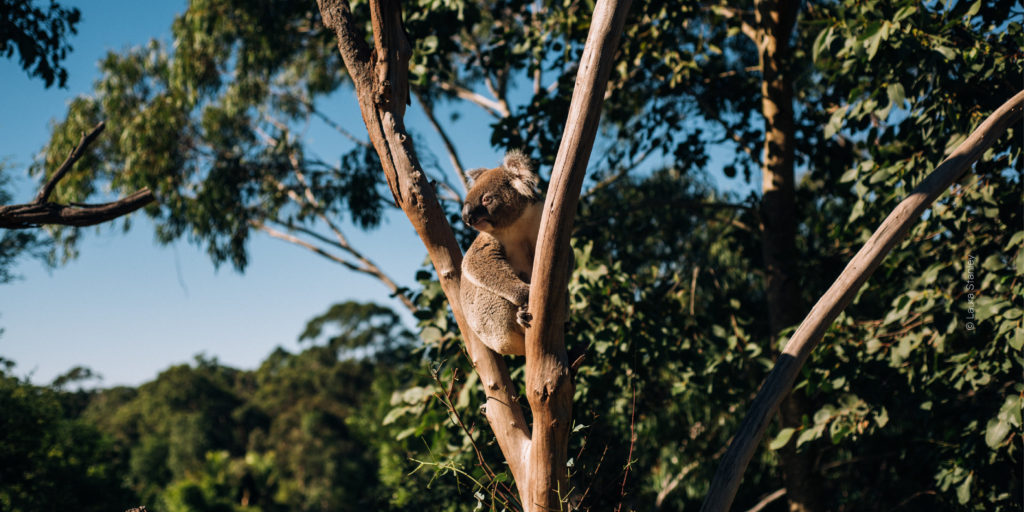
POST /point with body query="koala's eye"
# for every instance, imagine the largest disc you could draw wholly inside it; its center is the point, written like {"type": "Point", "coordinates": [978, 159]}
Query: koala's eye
{"type": "Point", "coordinates": [487, 199]}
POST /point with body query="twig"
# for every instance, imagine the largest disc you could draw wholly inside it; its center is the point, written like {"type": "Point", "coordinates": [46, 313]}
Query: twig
{"type": "Point", "coordinates": [333, 124]}
{"type": "Point", "coordinates": [693, 287]}
{"type": "Point", "coordinates": [626, 169]}
{"type": "Point", "coordinates": [673, 483]}
{"type": "Point", "coordinates": [446, 399]}
{"type": "Point", "coordinates": [632, 443]}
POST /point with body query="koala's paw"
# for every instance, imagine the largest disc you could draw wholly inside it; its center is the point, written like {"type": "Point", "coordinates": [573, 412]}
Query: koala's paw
{"type": "Point", "coordinates": [523, 317]}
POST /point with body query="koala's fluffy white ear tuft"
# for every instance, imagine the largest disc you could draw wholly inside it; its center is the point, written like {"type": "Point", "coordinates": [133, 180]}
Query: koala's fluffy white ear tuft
{"type": "Point", "coordinates": [517, 162]}
{"type": "Point", "coordinates": [474, 174]}
{"type": "Point", "coordinates": [524, 180]}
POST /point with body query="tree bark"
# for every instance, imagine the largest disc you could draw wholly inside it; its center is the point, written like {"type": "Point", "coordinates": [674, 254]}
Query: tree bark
{"type": "Point", "coordinates": [775, 20]}
{"type": "Point", "coordinates": [537, 459]}
{"type": "Point", "coordinates": [549, 387]}
{"type": "Point", "coordinates": [868, 258]}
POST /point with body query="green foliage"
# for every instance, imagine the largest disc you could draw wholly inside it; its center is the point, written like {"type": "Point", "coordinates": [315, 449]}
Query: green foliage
{"type": "Point", "coordinates": [49, 461]}
{"type": "Point", "coordinates": [15, 243]}
{"type": "Point", "coordinates": [39, 36]}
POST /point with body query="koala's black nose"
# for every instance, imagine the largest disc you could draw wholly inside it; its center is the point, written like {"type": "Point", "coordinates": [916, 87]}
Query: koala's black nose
{"type": "Point", "coordinates": [467, 214]}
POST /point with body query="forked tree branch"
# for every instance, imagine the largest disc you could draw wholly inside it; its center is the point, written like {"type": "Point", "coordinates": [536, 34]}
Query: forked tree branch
{"type": "Point", "coordinates": [895, 227]}
{"type": "Point", "coordinates": [41, 211]}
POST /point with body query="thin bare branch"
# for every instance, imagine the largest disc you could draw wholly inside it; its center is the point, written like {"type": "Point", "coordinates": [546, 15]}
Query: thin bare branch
{"type": "Point", "coordinates": [672, 483]}
{"type": "Point", "coordinates": [894, 229]}
{"type": "Point", "coordinates": [492, 107]}
{"type": "Point", "coordinates": [365, 265]}
{"type": "Point", "coordinates": [334, 124]}
{"type": "Point", "coordinates": [623, 170]}
{"type": "Point", "coordinates": [448, 146]}
{"type": "Point", "coordinates": [368, 266]}
{"type": "Point", "coordinates": [302, 243]}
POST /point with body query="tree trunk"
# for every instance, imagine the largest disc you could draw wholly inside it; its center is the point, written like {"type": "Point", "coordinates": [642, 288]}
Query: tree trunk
{"type": "Point", "coordinates": [536, 458]}
{"type": "Point", "coordinates": [775, 19]}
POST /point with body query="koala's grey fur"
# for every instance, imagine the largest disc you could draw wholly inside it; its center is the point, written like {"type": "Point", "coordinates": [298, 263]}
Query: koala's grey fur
{"type": "Point", "coordinates": [504, 205]}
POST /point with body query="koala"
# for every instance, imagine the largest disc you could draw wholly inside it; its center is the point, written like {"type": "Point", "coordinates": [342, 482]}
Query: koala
{"type": "Point", "coordinates": [504, 205]}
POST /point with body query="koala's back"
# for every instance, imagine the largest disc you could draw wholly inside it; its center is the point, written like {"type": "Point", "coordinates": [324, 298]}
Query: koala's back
{"type": "Point", "coordinates": [485, 272]}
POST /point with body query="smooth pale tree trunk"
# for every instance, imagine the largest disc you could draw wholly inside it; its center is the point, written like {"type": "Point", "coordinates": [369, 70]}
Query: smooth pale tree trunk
{"type": "Point", "coordinates": [775, 19]}
{"type": "Point", "coordinates": [536, 456]}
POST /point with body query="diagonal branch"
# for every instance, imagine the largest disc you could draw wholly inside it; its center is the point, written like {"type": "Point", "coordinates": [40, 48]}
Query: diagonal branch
{"type": "Point", "coordinates": [448, 146]}
{"type": "Point", "coordinates": [334, 124]}
{"type": "Point", "coordinates": [894, 229]}
{"type": "Point", "coordinates": [492, 107]}
{"type": "Point", "coordinates": [369, 267]}
{"type": "Point", "coordinates": [73, 156]}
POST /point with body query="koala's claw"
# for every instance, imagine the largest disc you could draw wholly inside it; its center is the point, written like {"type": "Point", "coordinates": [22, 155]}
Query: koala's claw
{"type": "Point", "coordinates": [523, 317]}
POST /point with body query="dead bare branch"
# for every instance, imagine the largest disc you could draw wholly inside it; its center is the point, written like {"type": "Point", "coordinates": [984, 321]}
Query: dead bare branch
{"type": "Point", "coordinates": [21, 216]}
{"type": "Point", "coordinates": [41, 211]}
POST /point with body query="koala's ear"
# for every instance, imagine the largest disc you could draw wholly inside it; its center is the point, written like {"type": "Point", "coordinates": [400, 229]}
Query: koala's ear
{"type": "Point", "coordinates": [524, 180]}
{"type": "Point", "coordinates": [475, 174]}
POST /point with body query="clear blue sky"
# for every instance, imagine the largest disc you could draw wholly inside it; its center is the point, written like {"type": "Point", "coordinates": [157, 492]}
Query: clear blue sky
{"type": "Point", "coordinates": [128, 307]}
